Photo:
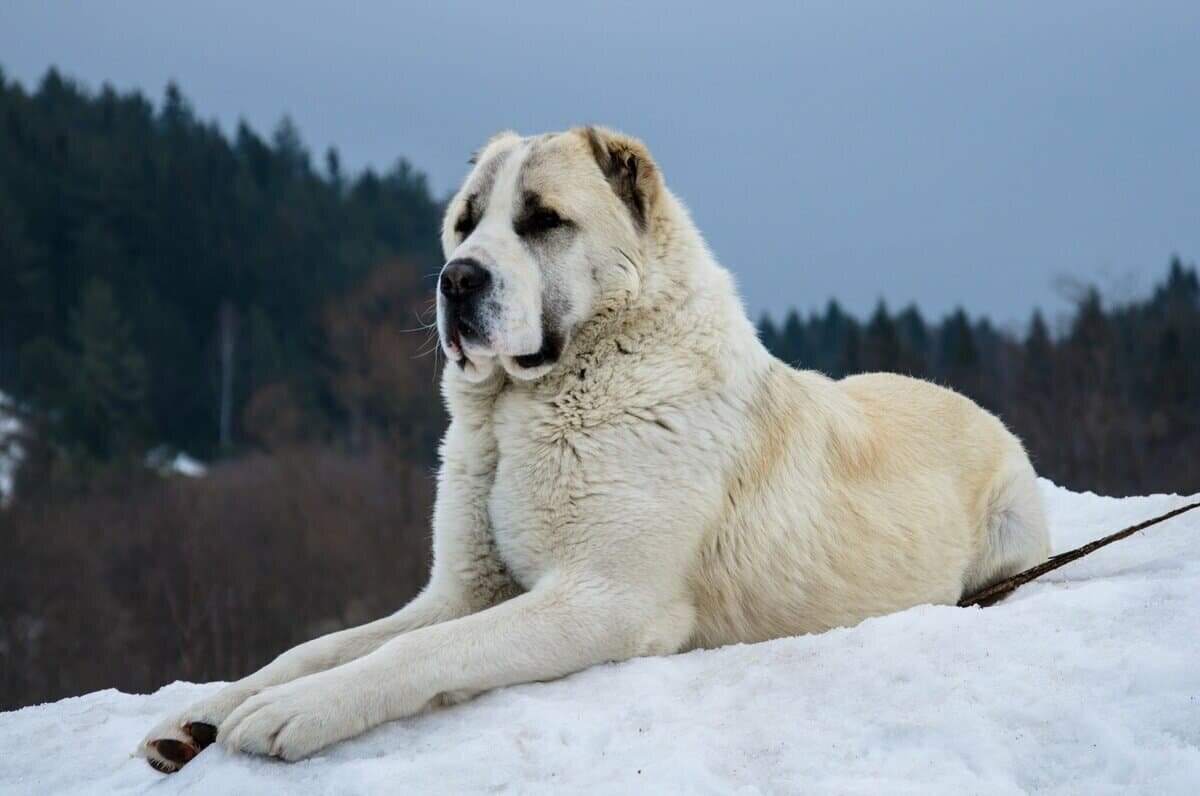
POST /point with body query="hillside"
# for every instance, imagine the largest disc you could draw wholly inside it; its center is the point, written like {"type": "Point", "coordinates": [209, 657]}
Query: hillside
{"type": "Point", "coordinates": [1085, 682]}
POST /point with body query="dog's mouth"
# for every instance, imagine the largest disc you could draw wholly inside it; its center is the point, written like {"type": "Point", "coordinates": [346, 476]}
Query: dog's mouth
{"type": "Point", "coordinates": [529, 361]}
{"type": "Point", "coordinates": [466, 345]}
{"type": "Point", "coordinates": [552, 348]}
{"type": "Point", "coordinates": [460, 333]}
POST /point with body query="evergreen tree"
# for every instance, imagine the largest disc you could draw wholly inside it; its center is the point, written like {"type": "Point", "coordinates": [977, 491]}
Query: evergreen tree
{"type": "Point", "coordinates": [1039, 357]}
{"type": "Point", "coordinates": [333, 170]}
{"type": "Point", "coordinates": [289, 147]}
{"type": "Point", "coordinates": [792, 346]}
{"type": "Point", "coordinates": [110, 373]}
{"type": "Point", "coordinates": [958, 355]}
{"type": "Point", "coordinates": [1090, 329]}
{"type": "Point", "coordinates": [914, 342]}
{"type": "Point", "coordinates": [881, 342]}
{"type": "Point", "coordinates": [768, 334]}
{"type": "Point", "coordinates": [832, 343]}
{"type": "Point", "coordinates": [1180, 290]}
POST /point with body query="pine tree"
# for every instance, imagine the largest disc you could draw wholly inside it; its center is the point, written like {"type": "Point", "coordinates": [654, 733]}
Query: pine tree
{"type": "Point", "coordinates": [768, 334]}
{"type": "Point", "coordinates": [881, 343]}
{"type": "Point", "coordinates": [830, 349]}
{"type": "Point", "coordinates": [958, 354]}
{"type": "Point", "coordinates": [1039, 357]}
{"type": "Point", "coordinates": [289, 147]}
{"type": "Point", "coordinates": [111, 373]}
{"type": "Point", "coordinates": [914, 342]}
{"type": "Point", "coordinates": [333, 171]}
{"type": "Point", "coordinates": [793, 350]}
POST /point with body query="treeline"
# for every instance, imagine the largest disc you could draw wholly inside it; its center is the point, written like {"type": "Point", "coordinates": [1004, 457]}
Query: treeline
{"type": "Point", "coordinates": [1110, 403]}
{"type": "Point", "coordinates": [162, 283]}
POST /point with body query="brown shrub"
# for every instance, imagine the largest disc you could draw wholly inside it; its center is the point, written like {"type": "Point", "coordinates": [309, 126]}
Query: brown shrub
{"type": "Point", "coordinates": [205, 579]}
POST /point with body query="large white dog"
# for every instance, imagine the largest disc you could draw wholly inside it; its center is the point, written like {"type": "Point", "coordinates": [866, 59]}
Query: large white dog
{"type": "Point", "coordinates": [629, 472]}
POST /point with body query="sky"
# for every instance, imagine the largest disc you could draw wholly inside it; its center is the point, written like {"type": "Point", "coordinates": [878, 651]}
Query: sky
{"type": "Point", "coordinates": [942, 153]}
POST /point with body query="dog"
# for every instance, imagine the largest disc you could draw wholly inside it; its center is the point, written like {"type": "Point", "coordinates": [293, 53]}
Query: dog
{"type": "Point", "coordinates": [627, 470]}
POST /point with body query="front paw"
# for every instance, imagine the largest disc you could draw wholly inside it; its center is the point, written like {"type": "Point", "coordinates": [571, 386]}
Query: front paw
{"type": "Point", "coordinates": [175, 741]}
{"type": "Point", "coordinates": [294, 720]}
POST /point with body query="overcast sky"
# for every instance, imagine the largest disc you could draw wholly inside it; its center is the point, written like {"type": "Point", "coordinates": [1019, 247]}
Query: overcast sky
{"type": "Point", "coordinates": [943, 153]}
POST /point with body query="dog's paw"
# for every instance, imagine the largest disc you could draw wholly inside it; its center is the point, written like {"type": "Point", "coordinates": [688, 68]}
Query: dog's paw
{"type": "Point", "coordinates": [173, 743]}
{"type": "Point", "coordinates": [292, 721]}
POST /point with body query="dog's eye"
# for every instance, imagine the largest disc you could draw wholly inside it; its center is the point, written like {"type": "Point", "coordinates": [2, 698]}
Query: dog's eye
{"type": "Point", "coordinates": [466, 221]}
{"type": "Point", "coordinates": [539, 222]}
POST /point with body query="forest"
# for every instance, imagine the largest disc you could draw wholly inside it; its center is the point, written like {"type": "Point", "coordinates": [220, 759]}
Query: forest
{"type": "Point", "coordinates": [166, 286]}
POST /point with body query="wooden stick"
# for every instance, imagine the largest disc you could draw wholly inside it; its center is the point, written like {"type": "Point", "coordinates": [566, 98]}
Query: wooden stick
{"type": "Point", "coordinates": [996, 591]}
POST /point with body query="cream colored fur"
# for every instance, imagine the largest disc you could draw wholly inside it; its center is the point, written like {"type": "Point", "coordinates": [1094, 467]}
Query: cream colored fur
{"type": "Point", "coordinates": [666, 484]}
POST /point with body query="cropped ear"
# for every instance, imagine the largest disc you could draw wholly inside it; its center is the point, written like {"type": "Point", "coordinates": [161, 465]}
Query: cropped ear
{"type": "Point", "coordinates": [629, 169]}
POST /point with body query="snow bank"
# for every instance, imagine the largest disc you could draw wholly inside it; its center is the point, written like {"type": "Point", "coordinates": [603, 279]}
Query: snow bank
{"type": "Point", "coordinates": [1085, 682]}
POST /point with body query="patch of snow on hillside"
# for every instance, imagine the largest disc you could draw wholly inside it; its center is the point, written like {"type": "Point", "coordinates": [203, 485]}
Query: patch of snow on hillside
{"type": "Point", "coordinates": [11, 452]}
{"type": "Point", "coordinates": [1087, 681]}
{"type": "Point", "coordinates": [166, 461]}
{"type": "Point", "coordinates": [183, 464]}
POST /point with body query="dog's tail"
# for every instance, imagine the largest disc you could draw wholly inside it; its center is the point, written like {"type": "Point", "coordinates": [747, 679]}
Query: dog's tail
{"type": "Point", "coordinates": [999, 590]}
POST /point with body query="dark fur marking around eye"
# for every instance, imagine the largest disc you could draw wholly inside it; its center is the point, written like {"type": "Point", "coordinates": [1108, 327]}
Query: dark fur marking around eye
{"type": "Point", "coordinates": [476, 203]}
{"type": "Point", "coordinates": [469, 218]}
{"type": "Point", "coordinates": [536, 219]}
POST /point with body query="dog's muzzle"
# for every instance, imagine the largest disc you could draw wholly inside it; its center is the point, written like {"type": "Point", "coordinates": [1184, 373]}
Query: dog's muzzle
{"type": "Point", "coordinates": [463, 284]}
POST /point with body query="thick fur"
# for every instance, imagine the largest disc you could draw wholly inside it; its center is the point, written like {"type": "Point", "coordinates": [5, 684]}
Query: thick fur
{"type": "Point", "coordinates": [662, 484]}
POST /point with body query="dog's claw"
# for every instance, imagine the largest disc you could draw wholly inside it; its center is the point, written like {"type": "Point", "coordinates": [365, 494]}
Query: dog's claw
{"type": "Point", "coordinates": [202, 733]}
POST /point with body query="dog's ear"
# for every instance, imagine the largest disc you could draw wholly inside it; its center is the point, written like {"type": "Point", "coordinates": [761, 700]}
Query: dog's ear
{"type": "Point", "coordinates": [629, 169]}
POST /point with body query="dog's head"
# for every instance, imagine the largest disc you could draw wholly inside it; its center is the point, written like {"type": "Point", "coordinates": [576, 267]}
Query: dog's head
{"type": "Point", "coordinates": [544, 231]}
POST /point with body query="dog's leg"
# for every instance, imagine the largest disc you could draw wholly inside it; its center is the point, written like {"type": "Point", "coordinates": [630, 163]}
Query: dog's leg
{"type": "Point", "coordinates": [467, 576]}
{"type": "Point", "coordinates": [472, 582]}
{"type": "Point", "coordinates": [179, 738]}
{"type": "Point", "coordinates": [543, 634]}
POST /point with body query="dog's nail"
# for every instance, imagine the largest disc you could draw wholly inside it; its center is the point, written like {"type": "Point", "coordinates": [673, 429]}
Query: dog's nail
{"type": "Point", "coordinates": [202, 733]}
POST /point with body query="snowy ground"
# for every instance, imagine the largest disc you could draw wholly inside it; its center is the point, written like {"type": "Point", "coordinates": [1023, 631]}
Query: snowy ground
{"type": "Point", "coordinates": [1085, 682]}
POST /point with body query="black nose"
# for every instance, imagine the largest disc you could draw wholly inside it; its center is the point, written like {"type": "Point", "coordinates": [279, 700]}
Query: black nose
{"type": "Point", "coordinates": [463, 278]}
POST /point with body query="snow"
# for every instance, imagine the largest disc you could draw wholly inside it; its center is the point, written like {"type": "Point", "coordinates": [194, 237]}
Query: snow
{"type": "Point", "coordinates": [1087, 681]}
{"type": "Point", "coordinates": [11, 452]}
{"type": "Point", "coordinates": [167, 462]}
{"type": "Point", "coordinates": [186, 465]}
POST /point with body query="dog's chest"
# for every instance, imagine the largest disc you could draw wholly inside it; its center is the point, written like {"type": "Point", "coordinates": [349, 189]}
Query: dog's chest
{"type": "Point", "coordinates": [534, 502]}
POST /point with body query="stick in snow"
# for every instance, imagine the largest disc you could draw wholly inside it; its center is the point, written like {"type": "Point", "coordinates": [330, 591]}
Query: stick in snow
{"type": "Point", "coordinates": [996, 591]}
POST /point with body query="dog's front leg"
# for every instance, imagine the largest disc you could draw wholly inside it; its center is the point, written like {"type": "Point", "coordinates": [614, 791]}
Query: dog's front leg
{"type": "Point", "coordinates": [548, 632]}
{"type": "Point", "coordinates": [178, 738]}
